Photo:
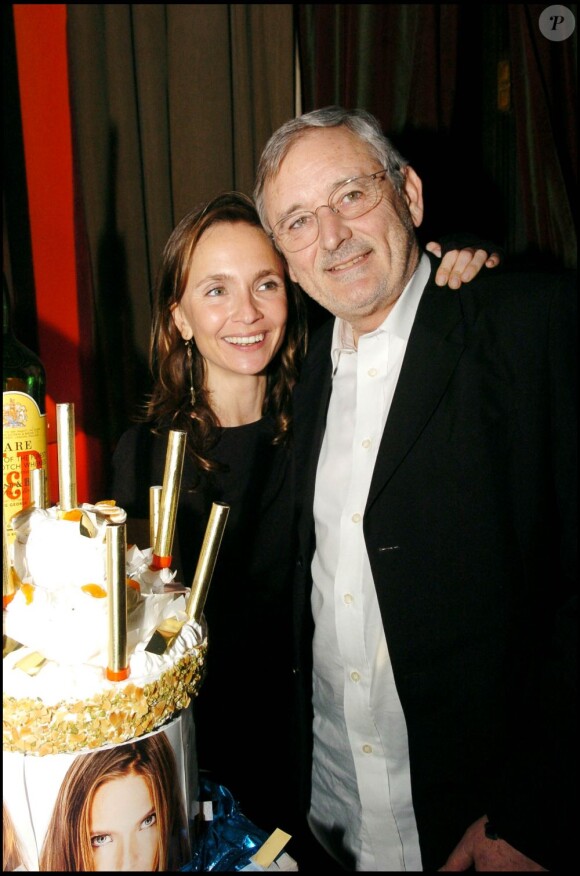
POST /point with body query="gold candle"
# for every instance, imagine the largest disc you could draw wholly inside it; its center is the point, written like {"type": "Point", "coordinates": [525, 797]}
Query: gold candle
{"type": "Point", "coordinates": [67, 474]}
{"type": "Point", "coordinates": [154, 506]}
{"type": "Point", "coordinates": [207, 559]}
{"type": "Point", "coordinates": [38, 487]}
{"type": "Point", "coordinates": [116, 540]}
{"type": "Point", "coordinates": [163, 543]}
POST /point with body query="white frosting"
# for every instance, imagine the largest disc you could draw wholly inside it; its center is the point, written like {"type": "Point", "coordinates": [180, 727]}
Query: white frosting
{"type": "Point", "coordinates": [69, 625]}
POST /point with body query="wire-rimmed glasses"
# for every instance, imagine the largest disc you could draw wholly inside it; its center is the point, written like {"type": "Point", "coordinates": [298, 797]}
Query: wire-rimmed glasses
{"type": "Point", "coordinates": [351, 199]}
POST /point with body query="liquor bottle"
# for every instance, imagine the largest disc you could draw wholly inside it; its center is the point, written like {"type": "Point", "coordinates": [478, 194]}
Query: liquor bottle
{"type": "Point", "coordinates": [23, 418]}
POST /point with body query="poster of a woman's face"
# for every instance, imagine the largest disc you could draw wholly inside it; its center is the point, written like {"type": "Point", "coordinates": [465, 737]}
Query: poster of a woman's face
{"type": "Point", "coordinates": [12, 850]}
{"type": "Point", "coordinates": [121, 808]}
{"type": "Point", "coordinates": [124, 826]}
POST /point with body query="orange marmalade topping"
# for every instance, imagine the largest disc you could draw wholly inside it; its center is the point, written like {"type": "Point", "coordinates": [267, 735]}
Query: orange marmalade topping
{"type": "Point", "coordinates": [94, 590]}
{"type": "Point", "coordinates": [75, 514]}
{"type": "Point", "coordinates": [28, 591]}
{"type": "Point", "coordinates": [99, 592]}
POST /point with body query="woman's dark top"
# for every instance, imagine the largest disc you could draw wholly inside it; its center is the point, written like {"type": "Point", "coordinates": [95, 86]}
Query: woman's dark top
{"type": "Point", "coordinates": [243, 710]}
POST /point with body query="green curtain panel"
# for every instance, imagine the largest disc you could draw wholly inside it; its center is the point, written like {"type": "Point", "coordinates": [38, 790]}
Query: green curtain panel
{"type": "Point", "coordinates": [171, 104]}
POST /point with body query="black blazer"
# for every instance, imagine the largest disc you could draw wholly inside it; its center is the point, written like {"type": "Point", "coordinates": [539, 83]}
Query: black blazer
{"type": "Point", "coordinates": [471, 531]}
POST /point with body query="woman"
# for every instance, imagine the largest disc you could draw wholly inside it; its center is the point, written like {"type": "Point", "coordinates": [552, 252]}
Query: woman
{"type": "Point", "coordinates": [229, 334]}
{"type": "Point", "coordinates": [119, 808]}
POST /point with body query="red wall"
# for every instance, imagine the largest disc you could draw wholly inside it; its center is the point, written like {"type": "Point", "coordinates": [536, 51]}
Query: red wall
{"type": "Point", "coordinates": [40, 32]}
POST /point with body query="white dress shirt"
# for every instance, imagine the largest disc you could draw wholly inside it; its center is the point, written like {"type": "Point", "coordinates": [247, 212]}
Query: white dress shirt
{"type": "Point", "coordinates": [361, 805]}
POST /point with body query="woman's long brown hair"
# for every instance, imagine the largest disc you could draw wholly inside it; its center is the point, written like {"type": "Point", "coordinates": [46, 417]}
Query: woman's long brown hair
{"type": "Point", "coordinates": [170, 403]}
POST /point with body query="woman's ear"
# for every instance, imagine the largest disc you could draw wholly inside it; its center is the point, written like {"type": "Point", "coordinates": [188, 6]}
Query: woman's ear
{"type": "Point", "coordinates": [413, 189]}
{"type": "Point", "coordinates": [181, 322]}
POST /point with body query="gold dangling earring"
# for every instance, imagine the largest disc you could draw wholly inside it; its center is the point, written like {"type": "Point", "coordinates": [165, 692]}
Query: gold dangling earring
{"type": "Point", "coordinates": [189, 346]}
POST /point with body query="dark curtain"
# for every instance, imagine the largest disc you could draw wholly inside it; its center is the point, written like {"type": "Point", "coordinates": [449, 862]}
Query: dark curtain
{"type": "Point", "coordinates": [545, 97]}
{"type": "Point", "coordinates": [170, 105]}
{"type": "Point", "coordinates": [482, 105]}
{"type": "Point", "coordinates": [396, 60]}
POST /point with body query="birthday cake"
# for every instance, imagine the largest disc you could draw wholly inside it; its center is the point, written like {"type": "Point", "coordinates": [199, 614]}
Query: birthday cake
{"type": "Point", "coordinates": [57, 696]}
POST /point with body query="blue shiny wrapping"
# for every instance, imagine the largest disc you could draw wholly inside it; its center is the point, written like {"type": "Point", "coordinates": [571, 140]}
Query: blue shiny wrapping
{"type": "Point", "coordinates": [228, 841]}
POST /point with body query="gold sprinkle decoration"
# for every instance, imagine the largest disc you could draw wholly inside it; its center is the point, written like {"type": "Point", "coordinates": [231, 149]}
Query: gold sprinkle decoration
{"type": "Point", "coordinates": [121, 713]}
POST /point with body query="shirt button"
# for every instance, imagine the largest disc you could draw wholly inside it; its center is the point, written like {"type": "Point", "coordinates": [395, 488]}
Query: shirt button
{"type": "Point", "coordinates": [368, 749]}
{"type": "Point", "coordinates": [366, 443]}
{"type": "Point", "coordinates": [356, 518]}
{"type": "Point", "coordinates": [372, 372]}
{"type": "Point", "coordinates": [355, 676]}
{"type": "Point", "coordinates": [347, 598]}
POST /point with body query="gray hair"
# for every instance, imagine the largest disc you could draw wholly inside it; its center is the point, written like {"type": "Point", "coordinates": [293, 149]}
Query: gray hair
{"type": "Point", "coordinates": [358, 121]}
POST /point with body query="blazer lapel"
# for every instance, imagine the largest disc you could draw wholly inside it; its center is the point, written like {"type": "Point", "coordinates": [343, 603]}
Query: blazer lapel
{"type": "Point", "coordinates": [435, 346]}
{"type": "Point", "coordinates": [311, 399]}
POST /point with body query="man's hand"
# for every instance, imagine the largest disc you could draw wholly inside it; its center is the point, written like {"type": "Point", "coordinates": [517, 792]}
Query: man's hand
{"type": "Point", "coordinates": [486, 855]}
{"type": "Point", "coordinates": [461, 265]}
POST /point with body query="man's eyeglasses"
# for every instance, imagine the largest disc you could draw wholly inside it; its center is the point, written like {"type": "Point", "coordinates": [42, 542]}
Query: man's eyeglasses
{"type": "Point", "coordinates": [351, 199]}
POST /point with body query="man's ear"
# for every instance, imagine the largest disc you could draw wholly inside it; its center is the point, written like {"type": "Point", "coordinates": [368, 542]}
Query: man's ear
{"type": "Point", "coordinates": [181, 322]}
{"type": "Point", "coordinates": [413, 190]}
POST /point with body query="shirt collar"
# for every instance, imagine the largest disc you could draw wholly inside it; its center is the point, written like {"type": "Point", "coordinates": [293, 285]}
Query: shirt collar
{"type": "Point", "coordinates": [399, 321]}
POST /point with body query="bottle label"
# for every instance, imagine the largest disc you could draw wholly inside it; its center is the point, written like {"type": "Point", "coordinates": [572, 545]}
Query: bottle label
{"type": "Point", "coordinates": [23, 449]}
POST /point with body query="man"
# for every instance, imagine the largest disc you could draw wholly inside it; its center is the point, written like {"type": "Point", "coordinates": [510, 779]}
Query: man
{"type": "Point", "coordinates": [435, 457]}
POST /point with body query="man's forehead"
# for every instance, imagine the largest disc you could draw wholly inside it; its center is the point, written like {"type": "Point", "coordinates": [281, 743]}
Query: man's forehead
{"type": "Point", "coordinates": [330, 146]}
{"type": "Point", "coordinates": [315, 164]}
